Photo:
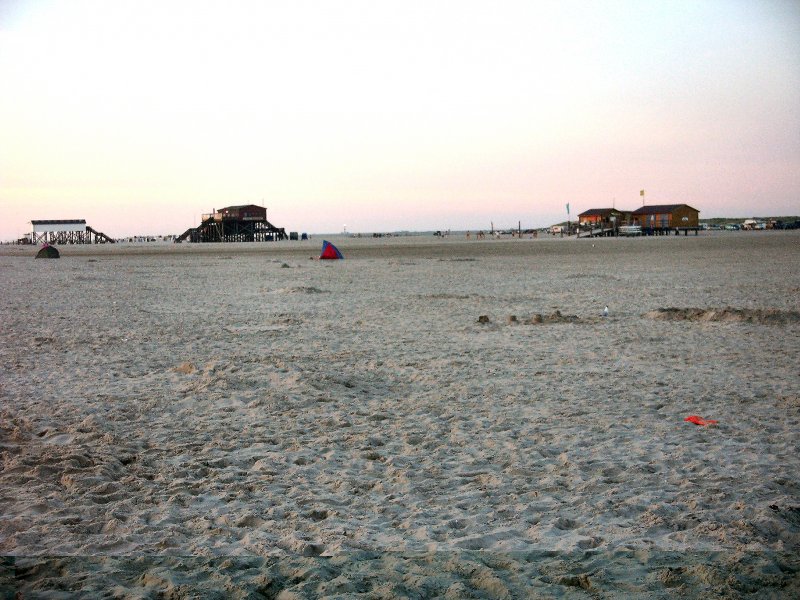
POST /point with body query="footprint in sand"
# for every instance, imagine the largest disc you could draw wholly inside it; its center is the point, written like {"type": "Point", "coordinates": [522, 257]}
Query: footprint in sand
{"type": "Point", "coordinates": [565, 524]}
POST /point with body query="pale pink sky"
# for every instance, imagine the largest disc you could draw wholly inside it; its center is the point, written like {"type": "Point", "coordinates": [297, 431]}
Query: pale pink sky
{"type": "Point", "coordinates": [384, 116]}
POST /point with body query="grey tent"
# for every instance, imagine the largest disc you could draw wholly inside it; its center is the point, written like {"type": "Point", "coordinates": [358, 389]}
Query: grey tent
{"type": "Point", "coordinates": [48, 251]}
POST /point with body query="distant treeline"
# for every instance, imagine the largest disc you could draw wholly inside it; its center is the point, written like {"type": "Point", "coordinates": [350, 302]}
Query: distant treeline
{"type": "Point", "coordinates": [724, 220]}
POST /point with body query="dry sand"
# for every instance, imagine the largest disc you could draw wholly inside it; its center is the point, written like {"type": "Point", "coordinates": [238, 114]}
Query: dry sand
{"type": "Point", "coordinates": [241, 421]}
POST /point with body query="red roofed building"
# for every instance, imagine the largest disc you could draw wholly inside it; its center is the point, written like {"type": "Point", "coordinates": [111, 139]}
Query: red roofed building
{"type": "Point", "coordinates": [599, 217]}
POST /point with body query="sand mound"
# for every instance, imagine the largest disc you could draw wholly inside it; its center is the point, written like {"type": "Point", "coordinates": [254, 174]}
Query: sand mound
{"type": "Point", "coordinates": [555, 317]}
{"type": "Point", "coordinates": [769, 316]}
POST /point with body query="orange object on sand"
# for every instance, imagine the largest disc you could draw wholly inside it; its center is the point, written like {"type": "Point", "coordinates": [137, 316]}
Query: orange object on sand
{"type": "Point", "coordinates": [700, 420]}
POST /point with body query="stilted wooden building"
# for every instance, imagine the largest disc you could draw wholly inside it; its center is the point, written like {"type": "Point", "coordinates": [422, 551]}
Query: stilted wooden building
{"type": "Point", "coordinates": [657, 219]}
{"type": "Point", "coordinates": [66, 231]}
{"type": "Point", "coordinates": [663, 219]}
{"type": "Point", "coordinates": [244, 223]}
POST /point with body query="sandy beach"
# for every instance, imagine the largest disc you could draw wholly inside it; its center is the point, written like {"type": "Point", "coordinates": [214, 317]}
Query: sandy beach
{"type": "Point", "coordinates": [239, 420]}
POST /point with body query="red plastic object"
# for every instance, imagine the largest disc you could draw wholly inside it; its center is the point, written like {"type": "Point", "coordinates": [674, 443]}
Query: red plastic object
{"type": "Point", "coordinates": [700, 420]}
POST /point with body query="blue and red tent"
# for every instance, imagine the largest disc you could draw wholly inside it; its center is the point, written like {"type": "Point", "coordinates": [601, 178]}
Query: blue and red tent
{"type": "Point", "coordinates": [329, 251]}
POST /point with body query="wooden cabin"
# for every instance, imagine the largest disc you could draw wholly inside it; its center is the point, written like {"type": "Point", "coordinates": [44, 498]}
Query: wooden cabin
{"type": "Point", "coordinates": [243, 212]}
{"type": "Point", "coordinates": [600, 217]}
{"type": "Point", "coordinates": [664, 217]}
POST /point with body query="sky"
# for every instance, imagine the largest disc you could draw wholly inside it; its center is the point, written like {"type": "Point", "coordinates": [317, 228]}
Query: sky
{"type": "Point", "coordinates": [140, 116]}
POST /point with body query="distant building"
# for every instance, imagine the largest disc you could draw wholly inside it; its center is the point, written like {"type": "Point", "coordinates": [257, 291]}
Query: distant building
{"type": "Point", "coordinates": [600, 217]}
{"type": "Point", "coordinates": [662, 217]}
{"type": "Point", "coordinates": [241, 223]}
{"type": "Point", "coordinates": [242, 212]}
{"type": "Point", "coordinates": [658, 219]}
{"type": "Point", "coordinates": [66, 231]}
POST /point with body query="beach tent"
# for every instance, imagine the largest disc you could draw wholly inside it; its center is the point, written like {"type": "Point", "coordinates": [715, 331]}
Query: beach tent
{"type": "Point", "coordinates": [48, 251]}
{"type": "Point", "coordinates": [329, 251]}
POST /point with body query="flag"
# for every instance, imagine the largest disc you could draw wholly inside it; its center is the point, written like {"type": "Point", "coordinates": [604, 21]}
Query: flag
{"type": "Point", "coordinates": [641, 193]}
{"type": "Point", "coordinates": [567, 207]}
